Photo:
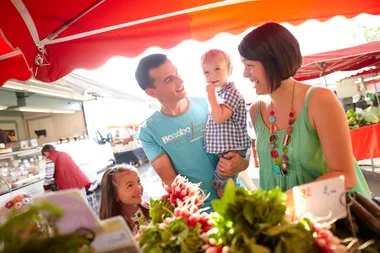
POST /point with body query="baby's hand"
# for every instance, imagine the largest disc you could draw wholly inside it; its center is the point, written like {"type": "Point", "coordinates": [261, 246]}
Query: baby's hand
{"type": "Point", "coordinates": [210, 88]}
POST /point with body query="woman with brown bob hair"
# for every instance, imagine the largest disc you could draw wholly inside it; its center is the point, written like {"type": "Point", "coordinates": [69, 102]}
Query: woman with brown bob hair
{"type": "Point", "coordinates": [302, 132]}
{"type": "Point", "coordinates": [121, 194]}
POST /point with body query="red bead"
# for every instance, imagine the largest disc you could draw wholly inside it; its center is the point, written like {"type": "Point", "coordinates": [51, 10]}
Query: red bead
{"type": "Point", "coordinates": [285, 165]}
{"type": "Point", "coordinates": [272, 138]}
{"type": "Point", "coordinates": [284, 157]}
{"type": "Point", "coordinates": [289, 130]}
{"type": "Point", "coordinates": [291, 114]}
{"type": "Point", "coordinates": [274, 154]}
{"type": "Point", "coordinates": [286, 140]}
{"type": "Point", "coordinates": [271, 113]}
{"type": "Point", "coordinates": [290, 122]}
{"type": "Point", "coordinates": [9, 204]}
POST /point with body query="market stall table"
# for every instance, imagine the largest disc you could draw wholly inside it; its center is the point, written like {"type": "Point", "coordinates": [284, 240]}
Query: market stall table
{"type": "Point", "coordinates": [366, 143]}
{"type": "Point", "coordinates": [133, 156]}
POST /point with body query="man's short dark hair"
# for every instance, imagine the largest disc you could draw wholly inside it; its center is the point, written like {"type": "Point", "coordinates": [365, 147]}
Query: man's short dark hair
{"type": "Point", "coordinates": [147, 63]}
{"type": "Point", "coordinates": [47, 148]}
{"type": "Point", "coordinates": [276, 48]}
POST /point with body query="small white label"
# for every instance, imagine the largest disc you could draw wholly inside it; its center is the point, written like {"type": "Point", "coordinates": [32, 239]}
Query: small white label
{"type": "Point", "coordinates": [111, 240]}
{"type": "Point", "coordinates": [323, 199]}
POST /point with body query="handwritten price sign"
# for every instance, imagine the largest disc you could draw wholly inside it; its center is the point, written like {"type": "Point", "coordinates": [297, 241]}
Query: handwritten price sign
{"type": "Point", "coordinates": [323, 199]}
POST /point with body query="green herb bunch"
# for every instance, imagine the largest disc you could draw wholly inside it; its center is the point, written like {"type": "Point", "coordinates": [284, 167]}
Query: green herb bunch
{"type": "Point", "coordinates": [172, 236]}
{"type": "Point", "coordinates": [255, 222]}
{"type": "Point", "coordinates": [160, 209]}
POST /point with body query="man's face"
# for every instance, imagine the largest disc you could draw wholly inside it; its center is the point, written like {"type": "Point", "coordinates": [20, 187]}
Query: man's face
{"type": "Point", "coordinates": [169, 86]}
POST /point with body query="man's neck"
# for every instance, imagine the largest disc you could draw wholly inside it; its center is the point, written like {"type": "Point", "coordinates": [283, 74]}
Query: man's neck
{"type": "Point", "coordinates": [175, 109]}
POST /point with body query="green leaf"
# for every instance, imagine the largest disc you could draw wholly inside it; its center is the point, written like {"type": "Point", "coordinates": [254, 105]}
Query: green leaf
{"type": "Point", "coordinates": [229, 191]}
{"type": "Point", "coordinates": [275, 230]}
{"type": "Point", "coordinates": [218, 206]}
{"type": "Point", "coordinates": [160, 210]}
{"type": "Point", "coordinates": [248, 212]}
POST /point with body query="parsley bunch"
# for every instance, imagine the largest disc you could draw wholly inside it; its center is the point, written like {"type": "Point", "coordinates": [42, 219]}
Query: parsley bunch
{"type": "Point", "coordinates": [255, 222]}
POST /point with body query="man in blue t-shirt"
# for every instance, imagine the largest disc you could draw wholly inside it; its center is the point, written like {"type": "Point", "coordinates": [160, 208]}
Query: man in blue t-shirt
{"type": "Point", "coordinates": [172, 138]}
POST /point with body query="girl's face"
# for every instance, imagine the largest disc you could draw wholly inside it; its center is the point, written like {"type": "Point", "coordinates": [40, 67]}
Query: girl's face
{"type": "Point", "coordinates": [216, 73]}
{"type": "Point", "coordinates": [255, 72]}
{"type": "Point", "coordinates": [128, 187]}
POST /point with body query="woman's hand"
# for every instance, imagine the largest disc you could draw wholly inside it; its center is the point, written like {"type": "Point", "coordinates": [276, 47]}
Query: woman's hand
{"type": "Point", "coordinates": [231, 164]}
{"type": "Point", "coordinates": [289, 205]}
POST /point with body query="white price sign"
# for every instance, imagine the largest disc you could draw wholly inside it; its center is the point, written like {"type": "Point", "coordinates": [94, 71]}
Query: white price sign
{"type": "Point", "coordinates": [323, 199]}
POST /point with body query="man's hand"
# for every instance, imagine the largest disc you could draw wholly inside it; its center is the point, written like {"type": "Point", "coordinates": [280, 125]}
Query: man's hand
{"type": "Point", "coordinates": [231, 164]}
{"type": "Point", "coordinates": [210, 88]}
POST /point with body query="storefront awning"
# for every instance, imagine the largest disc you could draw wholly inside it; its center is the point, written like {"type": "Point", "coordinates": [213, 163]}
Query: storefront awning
{"type": "Point", "coordinates": [56, 37]}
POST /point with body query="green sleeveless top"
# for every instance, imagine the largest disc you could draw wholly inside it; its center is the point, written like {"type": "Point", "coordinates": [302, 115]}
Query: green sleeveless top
{"type": "Point", "coordinates": [306, 160]}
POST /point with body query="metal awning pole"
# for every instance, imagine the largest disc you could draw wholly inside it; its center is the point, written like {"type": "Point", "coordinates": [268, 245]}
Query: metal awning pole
{"type": "Point", "coordinates": [323, 73]}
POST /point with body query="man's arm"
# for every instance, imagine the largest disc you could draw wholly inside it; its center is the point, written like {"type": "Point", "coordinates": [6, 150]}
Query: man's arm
{"type": "Point", "coordinates": [163, 167]}
{"type": "Point", "coordinates": [232, 164]}
{"type": "Point", "coordinates": [157, 156]}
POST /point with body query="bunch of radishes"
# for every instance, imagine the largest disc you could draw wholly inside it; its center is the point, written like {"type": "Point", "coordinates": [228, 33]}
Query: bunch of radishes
{"type": "Point", "coordinates": [325, 241]}
{"type": "Point", "coordinates": [190, 211]}
{"type": "Point", "coordinates": [181, 190]}
{"type": "Point", "coordinates": [211, 247]}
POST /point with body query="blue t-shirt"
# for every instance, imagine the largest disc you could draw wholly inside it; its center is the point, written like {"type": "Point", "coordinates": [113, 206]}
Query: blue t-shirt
{"type": "Point", "coordinates": [181, 137]}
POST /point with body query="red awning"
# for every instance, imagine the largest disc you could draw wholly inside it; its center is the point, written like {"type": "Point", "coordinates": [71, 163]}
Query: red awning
{"type": "Point", "coordinates": [74, 34]}
{"type": "Point", "coordinates": [352, 58]}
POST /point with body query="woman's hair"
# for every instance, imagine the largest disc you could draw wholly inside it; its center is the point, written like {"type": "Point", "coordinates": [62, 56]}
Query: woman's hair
{"type": "Point", "coordinates": [276, 48]}
{"type": "Point", "coordinates": [109, 205]}
{"type": "Point", "coordinates": [215, 55]}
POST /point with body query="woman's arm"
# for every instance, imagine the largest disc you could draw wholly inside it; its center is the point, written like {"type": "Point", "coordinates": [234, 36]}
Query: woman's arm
{"type": "Point", "coordinates": [328, 118]}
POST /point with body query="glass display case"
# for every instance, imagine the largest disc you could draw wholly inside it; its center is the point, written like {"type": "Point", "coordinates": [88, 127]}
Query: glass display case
{"type": "Point", "coordinates": [21, 169]}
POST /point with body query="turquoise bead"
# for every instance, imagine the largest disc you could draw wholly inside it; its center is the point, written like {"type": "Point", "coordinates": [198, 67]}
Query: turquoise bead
{"type": "Point", "coordinates": [272, 119]}
{"type": "Point", "coordinates": [276, 169]}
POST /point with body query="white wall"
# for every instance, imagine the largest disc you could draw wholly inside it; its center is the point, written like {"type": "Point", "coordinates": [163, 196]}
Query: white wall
{"type": "Point", "coordinates": [61, 125]}
{"type": "Point", "coordinates": [6, 121]}
{"type": "Point", "coordinates": [101, 114]}
{"type": "Point", "coordinates": [346, 88]}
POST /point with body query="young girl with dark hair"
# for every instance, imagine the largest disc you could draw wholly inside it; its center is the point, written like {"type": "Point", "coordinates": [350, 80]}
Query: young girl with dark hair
{"type": "Point", "coordinates": [121, 194]}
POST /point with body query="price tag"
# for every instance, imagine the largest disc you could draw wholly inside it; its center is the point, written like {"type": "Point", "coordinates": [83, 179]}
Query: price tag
{"type": "Point", "coordinates": [323, 199]}
{"type": "Point", "coordinates": [115, 237]}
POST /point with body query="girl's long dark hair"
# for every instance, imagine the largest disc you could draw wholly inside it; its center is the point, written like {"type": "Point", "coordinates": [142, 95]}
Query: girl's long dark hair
{"type": "Point", "coordinates": [109, 206]}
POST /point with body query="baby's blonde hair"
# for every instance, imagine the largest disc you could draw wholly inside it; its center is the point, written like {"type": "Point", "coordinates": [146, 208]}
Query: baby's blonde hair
{"type": "Point", "coordinates": [216, 55]}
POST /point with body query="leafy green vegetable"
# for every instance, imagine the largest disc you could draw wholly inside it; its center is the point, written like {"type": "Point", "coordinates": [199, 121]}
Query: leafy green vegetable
{"type": "Point", "coordinates": [370, 116]}
{"type": "Point", "coordinates": [177, 237]}
{"type": "Point", "coordinates": [160, 209]}
{"type": "Point", "coordinates": [255, 222]}
{"type": "Point", "coordinates": [35, 231]}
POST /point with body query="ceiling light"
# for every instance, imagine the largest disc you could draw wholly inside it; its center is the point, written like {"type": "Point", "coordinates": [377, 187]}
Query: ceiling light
{"type": "Point", "coordinates": [32, 109]}
{"type": "Point", "coordinates": [3, 107]}
{"type": "Point", "coordinates": [12, 86]}
{"type": "Point", "coordinates": [63, 111]}
{"type": "Point", "coordinates": [41, 109]}
{"type": "Point", "coordinates": [40, 91]}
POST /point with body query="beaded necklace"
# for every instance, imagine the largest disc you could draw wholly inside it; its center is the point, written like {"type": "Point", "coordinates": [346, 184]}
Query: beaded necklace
{"type": "Point", "coordinates": [280, 166]}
